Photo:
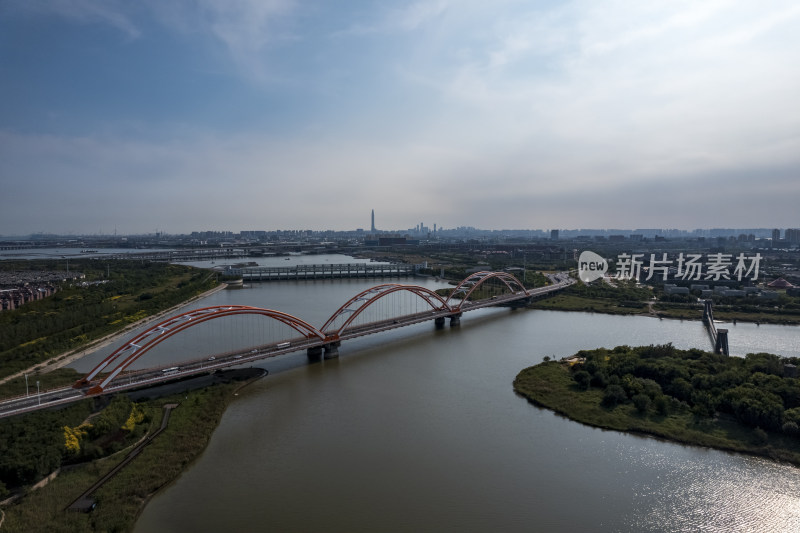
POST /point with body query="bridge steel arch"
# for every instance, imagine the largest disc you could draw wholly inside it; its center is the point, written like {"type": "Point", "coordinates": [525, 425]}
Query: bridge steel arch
{"type": "Point", "coordinates": [472, 282]}
{"type": "Point", "coordinates": [361, 301]}
{"type": "Point", "coordinates": [151, 337]}
{"type": "Point", "coordinates": [154, 335]}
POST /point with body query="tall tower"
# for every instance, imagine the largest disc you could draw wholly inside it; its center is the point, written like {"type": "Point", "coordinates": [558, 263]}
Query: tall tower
{"type": "Point", "coordinates": [373, 221]}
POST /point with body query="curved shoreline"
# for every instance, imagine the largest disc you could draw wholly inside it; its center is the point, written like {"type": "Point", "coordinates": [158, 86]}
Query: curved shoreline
{"type": "Point", "coordinates": [546, 389]}
{"type": "Point", "coordinates": [734, 320]}
{"type": "Point", "coordinates": [721, 315]}
{"type": "Point", "coordinates": [235, 392]}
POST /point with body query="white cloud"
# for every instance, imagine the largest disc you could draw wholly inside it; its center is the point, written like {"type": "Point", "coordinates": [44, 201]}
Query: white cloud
{"type": "Point", "coordinates": [481, 114]}
{"type": "Point", "coordinates": [258, 182]}
{"type": "Point", "coordinates": [623, 91]}
{"type": "Point", "coordinates": [390, 20]}
{"type": "Point", "coordinates": [111, 12]}
{"type": "Point", "coordinates": [247, 28]}
{"type": "Point", "coordinates": [416, 14]}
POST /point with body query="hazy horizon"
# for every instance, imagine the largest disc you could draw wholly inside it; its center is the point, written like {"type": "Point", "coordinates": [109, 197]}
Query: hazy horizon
{"type": "Point", "coordinates": [208, 114]}
{"type": "Point", "coordinates": [765, 232]}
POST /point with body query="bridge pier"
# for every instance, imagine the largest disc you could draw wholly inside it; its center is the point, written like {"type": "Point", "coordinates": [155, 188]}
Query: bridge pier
{"type": "Point", "coordinates": [721, 346]}
{"type": "Point", "coordinates": [439, 322]}
{"type": "Point", "coordinates": [707, 311]}
{"type": "Point", "coordinates": [455, 320]}
{"type": "Point", "coordinates": [332, 350]}
{"type": "Point", "coordinates": [719, 336]}
{"type": "Point", "coordinates": [314, 353]}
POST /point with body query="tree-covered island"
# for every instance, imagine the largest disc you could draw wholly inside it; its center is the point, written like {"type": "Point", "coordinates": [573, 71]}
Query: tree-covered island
{"type": "Point", "coordinates": [749, 404]}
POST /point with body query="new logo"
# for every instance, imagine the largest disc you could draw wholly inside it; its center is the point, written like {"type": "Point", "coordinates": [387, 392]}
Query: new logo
{"type": "Point", "coordinates": [591, 266]}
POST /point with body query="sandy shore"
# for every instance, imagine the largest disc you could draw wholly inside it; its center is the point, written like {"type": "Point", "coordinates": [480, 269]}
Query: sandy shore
{"type": "Point", "coordinates": [68, 357]}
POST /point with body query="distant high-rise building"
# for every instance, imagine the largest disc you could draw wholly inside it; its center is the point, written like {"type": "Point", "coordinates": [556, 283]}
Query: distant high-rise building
{"type": "Point", "coordinates": [776, 235]}
{"type": "Point", "coordinates": [553, 234]}
{"type": "Point", "coordinates": [373, 221]}
{"type": "Point", "coordinates": [792, 235]}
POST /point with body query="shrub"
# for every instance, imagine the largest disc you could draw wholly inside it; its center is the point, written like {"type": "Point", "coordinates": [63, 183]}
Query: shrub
{"type": "Point", "coordinates": [642, 402]}
{"type": "Point", "coordinates": [582, 378]}
{"type": "Point", "coordinates": [599, 380]}
{"type": "Point", "coordinates": [661, 404]}
{"type": "Point", "coordinates": [613, 395]}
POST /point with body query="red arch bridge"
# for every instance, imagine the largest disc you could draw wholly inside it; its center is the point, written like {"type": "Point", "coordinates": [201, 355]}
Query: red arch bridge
{"type": "Point", "coordinates": [355, 318]}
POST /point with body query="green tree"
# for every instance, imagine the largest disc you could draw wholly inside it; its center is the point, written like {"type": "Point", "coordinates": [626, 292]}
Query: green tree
{"type": "Point", "coordinates": [661, 404]}
{"type": "Point", "coordinates": [613, 395]}
{"type": "Point", "coordinates": [755, 407]}
{"type": "Point", "coordinates": [681, 389]}
{"type": "Point", "coordinates": [642, 402]}
{"type": "Point", "coordinates": [582, 378]}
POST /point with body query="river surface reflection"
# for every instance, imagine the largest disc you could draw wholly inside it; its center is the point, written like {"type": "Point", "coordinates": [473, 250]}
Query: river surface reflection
{"type": "Point", "coordinates": [419, 429]}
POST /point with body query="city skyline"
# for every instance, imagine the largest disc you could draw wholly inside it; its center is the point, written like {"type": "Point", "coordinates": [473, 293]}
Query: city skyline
{"type": "Point", "coordinates": [788, 235]}
{"type": "Point", "coordinates": [290, 114]}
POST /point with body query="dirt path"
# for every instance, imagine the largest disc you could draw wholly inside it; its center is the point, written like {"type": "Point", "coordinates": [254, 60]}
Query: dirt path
{"type": "Point", "coordinates": [68, 357]}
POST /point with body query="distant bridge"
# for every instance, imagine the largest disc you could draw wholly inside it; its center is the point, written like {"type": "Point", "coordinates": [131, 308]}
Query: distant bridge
{"type": "Point", "coordinates": [112, 375]}
{"type": "Point", "coordinates": [323, 271]}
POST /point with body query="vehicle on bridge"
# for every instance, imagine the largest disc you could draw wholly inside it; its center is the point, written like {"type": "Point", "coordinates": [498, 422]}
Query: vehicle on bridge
{"type": "Point", "coordinates": [318, 342]}
{"type": "Point", "coordinates": [340, 326]}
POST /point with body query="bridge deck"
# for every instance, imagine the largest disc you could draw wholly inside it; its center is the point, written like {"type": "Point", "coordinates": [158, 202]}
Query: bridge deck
{"type": "Point", "coordinates": [152, 376]}
{"type": "Point", "coordinates": [357, 270]}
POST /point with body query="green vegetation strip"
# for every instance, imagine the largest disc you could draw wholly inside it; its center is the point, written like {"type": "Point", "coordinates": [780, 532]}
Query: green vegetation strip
{"type": "Point", "coordinates": [626, 298]}
{"type": "Point", "coordinates": [122, 498]}
{"type": "Point", "coordinates": [623, 299]}
{"type": "Point", "coordinates": [740, 404]}
{"type": "Point", "coordinates": [729, 313]}
{"type": "Point", "coordinates": [567, 302]}
{"type": "Point", "coordinates": [116, 294]}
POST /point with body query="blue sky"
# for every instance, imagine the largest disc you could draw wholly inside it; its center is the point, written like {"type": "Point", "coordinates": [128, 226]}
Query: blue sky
{"type": "Point", "coordinates": [280, 114]}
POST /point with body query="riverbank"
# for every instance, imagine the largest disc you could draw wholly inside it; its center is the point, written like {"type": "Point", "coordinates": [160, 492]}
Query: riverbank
{"type": "Point", "coordinates": [569, 302]}
{"type": "Point", "coordinates": [697, 420]}
{"type": "Point", "coordinates": [71, 356]}
{"type": "Point", "coordinates": [123, 497]}
{"type": "Point", "coordinates": [65, 358]}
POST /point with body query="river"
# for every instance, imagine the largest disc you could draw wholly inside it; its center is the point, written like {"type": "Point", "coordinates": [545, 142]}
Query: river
{"type": "Point", "coordinates": [419, 429]}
